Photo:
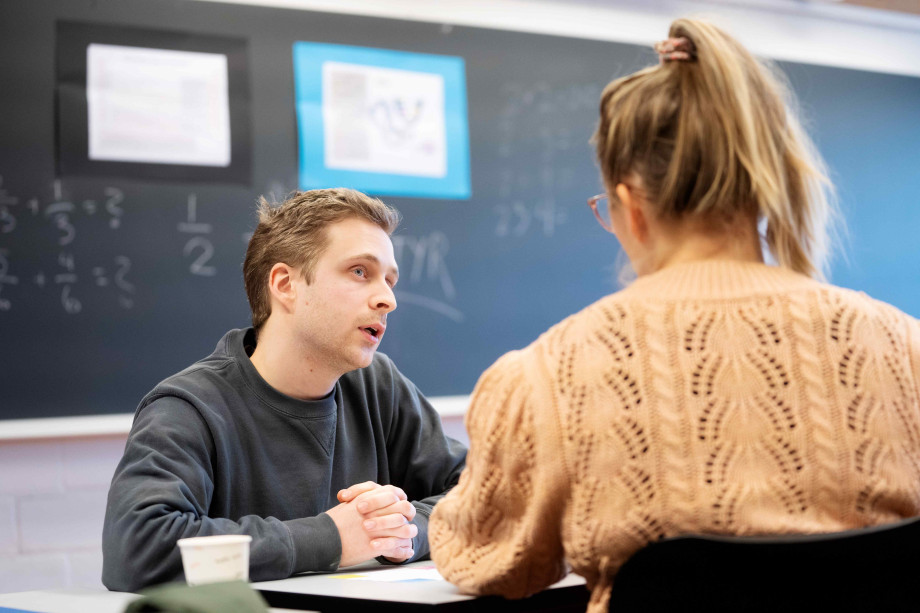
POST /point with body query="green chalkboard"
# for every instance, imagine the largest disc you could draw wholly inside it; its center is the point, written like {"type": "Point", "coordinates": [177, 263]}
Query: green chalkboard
{"type": "Point", "coordinates": [114, 277]}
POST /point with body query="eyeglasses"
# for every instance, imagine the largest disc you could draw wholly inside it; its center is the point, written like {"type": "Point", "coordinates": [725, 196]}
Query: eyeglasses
{"type": "Point", "coordinates": [602, 212]}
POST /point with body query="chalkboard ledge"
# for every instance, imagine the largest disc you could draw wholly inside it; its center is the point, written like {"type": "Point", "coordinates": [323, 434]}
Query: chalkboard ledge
{"type": "Point", "coordinates": [110, 425]}
{"type": "Point", "coordinates": [450, 406]}
{"type": "Point", "coordinates": [65, 427]}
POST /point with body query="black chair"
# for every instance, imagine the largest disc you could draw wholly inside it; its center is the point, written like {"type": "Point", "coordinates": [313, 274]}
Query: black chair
{"type": "Point", "coordinates": [870, 569]}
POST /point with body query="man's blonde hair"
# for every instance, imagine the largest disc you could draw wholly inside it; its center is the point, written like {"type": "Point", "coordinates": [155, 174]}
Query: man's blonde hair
{"type": "Point", "coordinates": [294, 232]}
{"type": "Point", "coordinates": [714, 138]}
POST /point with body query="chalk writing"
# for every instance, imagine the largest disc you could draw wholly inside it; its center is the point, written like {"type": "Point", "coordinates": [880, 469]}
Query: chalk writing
{"type": "Point", "coordinates": [7, 219]}
{"type": "Point", "coordinates": [5, 279]}
{"type": "Point", "coordinates": [64, 275]}
{"type": "Point", "coordinates": [126, 288]}
{"type": "Point", "coordinates": [422, 261]}
{"type": "Point", "coordinates": [75, 270]}
{"type": "Point", "coordinates": [67, 278]}
{"type": "Point", "coordinates": [114, 198]}
{"type": "Point", "coordinates": [60, 212]}
{"type": "Point", "coordinates": [197, 244]}
{"type": "Point", "coordinates": [535, 197]}
{"type": "Point", "coordinates": [425, 256]}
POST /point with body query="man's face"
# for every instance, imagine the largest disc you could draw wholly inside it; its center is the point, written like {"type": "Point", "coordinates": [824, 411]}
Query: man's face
{"type": "Point", "coordinates": [341, 315]}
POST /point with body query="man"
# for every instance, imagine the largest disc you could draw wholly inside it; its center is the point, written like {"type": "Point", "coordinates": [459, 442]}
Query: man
{"type": "Point", "coordinates": [286, 430]}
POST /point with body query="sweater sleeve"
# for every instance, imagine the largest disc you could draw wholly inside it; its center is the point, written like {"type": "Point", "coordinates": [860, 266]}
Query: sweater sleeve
{"type": "Point", "coordinates": [913, 347]}
{"type": "Point", "coordinates": [423, 461]}
{"type": "Point", "coordinates": [499, 530]}
{"type": "Point", "coordinates": [161, 492]}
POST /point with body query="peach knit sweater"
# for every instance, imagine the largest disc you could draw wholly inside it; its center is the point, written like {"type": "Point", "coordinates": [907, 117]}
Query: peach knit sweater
{"type": "Point", "coordinates": [718, 397]}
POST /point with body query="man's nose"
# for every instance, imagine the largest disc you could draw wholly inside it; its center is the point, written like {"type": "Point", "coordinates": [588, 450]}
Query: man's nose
{"type": "Point", "coordinates": [385, 300]}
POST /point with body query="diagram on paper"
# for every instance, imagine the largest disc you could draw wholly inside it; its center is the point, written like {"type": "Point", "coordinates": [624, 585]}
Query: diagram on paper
{"type": "Point", "coordinates": [383, 120]}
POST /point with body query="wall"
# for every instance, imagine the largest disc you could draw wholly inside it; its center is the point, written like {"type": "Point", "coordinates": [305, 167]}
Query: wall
{"type": "Point", "coordinates": [52, 501]}
{"type": "Point", "coordinates": [52, 490]}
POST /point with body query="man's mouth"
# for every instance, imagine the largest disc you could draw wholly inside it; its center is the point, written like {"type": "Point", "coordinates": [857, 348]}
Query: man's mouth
{"type": "Point", "coordinates": [373, 331]}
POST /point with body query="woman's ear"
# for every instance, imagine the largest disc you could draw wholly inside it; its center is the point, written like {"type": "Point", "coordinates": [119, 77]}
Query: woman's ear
{"type": "Point", "coordinates": [281, 286]}
{"type": "Point", "coordinates": [633, 212]}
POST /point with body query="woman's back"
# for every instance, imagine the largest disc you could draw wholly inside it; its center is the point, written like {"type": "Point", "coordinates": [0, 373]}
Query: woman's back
{"type": "Point", "coordinates": [736, 398]}
{"type": "Point", "coordinates": [714, 397]}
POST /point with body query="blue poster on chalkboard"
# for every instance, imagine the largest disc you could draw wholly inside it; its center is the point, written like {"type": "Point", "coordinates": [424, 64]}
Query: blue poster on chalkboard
{"type": "Point", "coordinates": [380, 121]}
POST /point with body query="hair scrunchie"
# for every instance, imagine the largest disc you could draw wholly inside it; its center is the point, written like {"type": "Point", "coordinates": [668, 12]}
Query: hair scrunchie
{"type": "Point", "coordinates": [675, 49]}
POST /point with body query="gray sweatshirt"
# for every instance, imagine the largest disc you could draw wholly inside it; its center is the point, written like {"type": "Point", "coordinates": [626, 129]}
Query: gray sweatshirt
{"type": "Point", "coordinates": [215, 450]}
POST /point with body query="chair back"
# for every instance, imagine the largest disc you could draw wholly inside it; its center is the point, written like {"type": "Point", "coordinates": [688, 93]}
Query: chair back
{"type": "Point", "coordinates": [869, 569]}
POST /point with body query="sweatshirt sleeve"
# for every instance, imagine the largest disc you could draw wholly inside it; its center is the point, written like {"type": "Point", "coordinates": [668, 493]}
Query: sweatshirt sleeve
{"type": "Point", "coordinates": [423, 461]}
{"type": "Point", "coordinates": [498, 531]}
{"type": "Point", "coordinates": [161, 492]}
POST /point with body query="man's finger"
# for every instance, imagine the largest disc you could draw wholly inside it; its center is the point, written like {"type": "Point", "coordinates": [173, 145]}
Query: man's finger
{"type": "Point", "coordinates": [402, 507]}
{"type": "Point", "coordinates": [405, 531]}
{"type": "Point", "coordinates": [387, 545]}
{"type": "Point", "coordinates": [353, 491]}
{"type": "Point", "coordinates": [381, 498]}
{"type": "Point", "coordinates": [382, 490]}
{"type": "Point", "coordinates": [397, 490]}
{"type": "Point", "coordinates": [401, 555]}
{"type": "Point", "coordinates": [385, 522]}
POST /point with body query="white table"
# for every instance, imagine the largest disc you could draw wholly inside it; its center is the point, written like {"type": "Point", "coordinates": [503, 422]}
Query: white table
{"type": "Point", "coordinates": [407, 588]}
{"type": "Point", "coordinates": [370, 586]}
{"type": "Point", "coordinates": [68, 600]}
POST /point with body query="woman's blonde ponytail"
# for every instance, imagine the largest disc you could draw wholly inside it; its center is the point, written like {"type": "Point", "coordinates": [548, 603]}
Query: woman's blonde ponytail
{"type": "Point", "coordinates": [713, 136]}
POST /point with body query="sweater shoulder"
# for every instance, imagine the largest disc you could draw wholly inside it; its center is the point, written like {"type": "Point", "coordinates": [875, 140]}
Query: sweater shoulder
{"type": "Point", "coordinates": [207, 373]}
{"type": "Point", "coordinates": [860, 300]}
{"type": "Point", "coordinates": [204, 380]}
{"type": "Point", "coordinates": [607, 313]}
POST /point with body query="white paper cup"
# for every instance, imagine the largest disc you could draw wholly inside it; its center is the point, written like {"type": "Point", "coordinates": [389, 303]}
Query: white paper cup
{"type": "Point", "coordinates": [210, 559]}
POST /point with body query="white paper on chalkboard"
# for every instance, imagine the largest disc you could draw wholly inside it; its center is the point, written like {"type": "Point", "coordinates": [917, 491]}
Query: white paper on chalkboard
{"type": "Point", "coordinates": [384, 120]}
{"type": "Point", "coordinates": [157, 106]}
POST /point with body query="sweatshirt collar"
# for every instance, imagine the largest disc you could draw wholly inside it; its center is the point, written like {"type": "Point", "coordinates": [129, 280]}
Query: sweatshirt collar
{"type": "Point", "coordinates": [239, 345]}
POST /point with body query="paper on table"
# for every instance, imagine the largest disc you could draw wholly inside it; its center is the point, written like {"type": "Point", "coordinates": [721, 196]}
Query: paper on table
{"type": "Point", "coordinates": [396, 574]}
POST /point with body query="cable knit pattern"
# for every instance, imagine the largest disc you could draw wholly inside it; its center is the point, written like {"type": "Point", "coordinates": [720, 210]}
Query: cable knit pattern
{"type": "Point", "coordinates": [716, 397]}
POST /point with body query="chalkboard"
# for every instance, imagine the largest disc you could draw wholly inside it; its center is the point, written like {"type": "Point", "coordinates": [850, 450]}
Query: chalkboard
{"type": "Point", "coordinates": [109, 284]}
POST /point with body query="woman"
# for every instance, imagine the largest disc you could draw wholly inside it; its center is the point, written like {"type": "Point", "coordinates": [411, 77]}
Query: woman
{"type": "Point", "coordinates": [716, 394]}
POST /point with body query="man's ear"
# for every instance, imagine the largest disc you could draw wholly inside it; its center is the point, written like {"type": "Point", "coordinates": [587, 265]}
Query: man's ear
{"type": "Point", "coordinates": [281, 286]}
{"type": "Point", "coordinates": [633, 212]}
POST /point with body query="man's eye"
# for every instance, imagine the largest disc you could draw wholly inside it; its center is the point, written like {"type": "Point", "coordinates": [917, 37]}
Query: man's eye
{"type": "Point", "coordinates": [360, 272]}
